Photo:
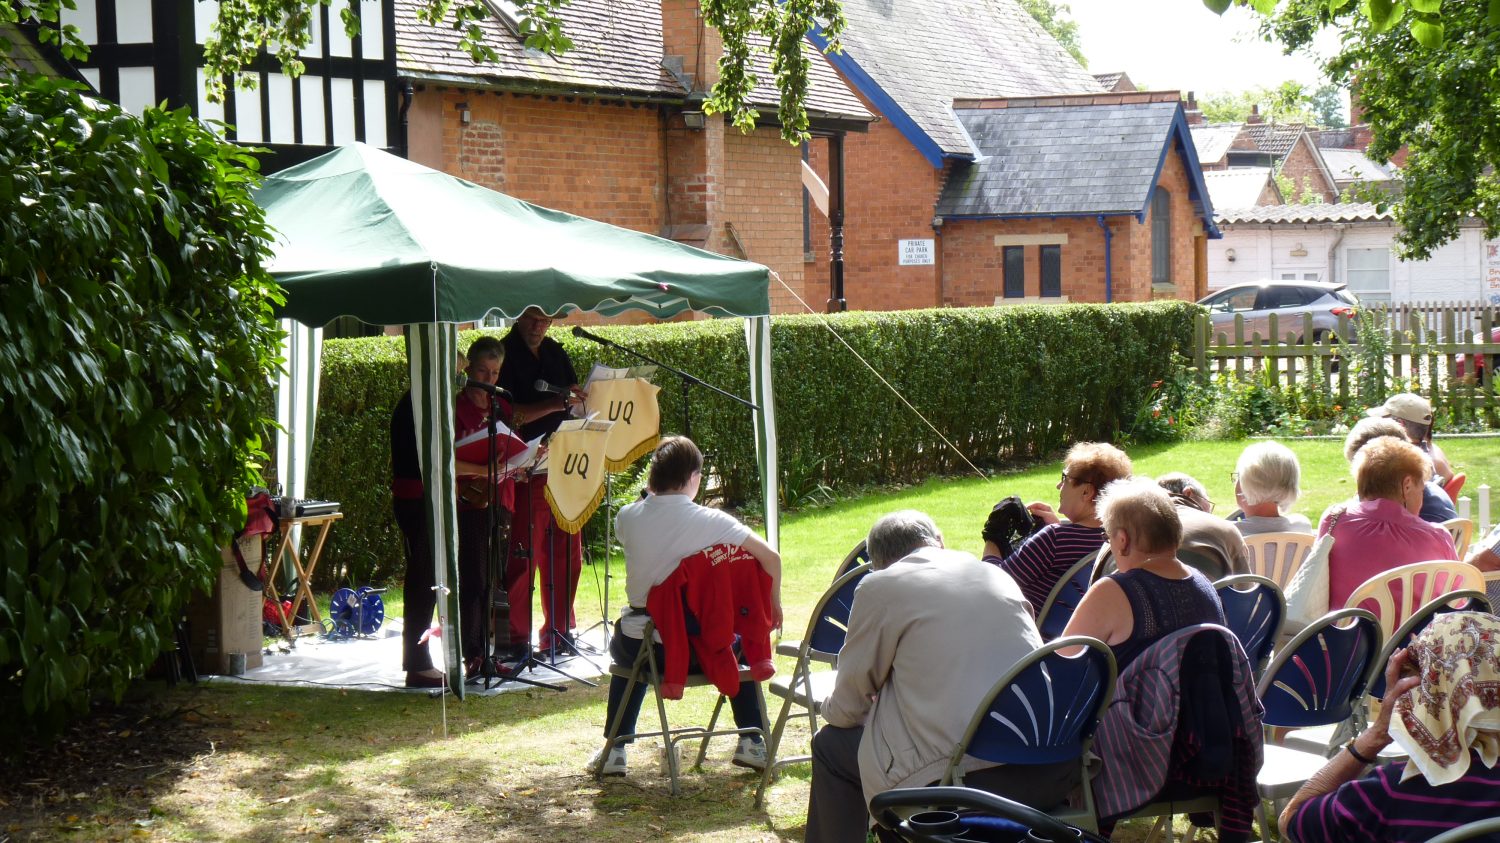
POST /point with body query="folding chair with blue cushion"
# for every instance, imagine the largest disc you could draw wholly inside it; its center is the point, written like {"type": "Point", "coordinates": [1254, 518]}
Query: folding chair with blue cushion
{"type": "Point", "coordinates": [1315, 680]}
{"type": "Point", "coordinates": [1253, 610]}
{"type": "Point", "coordinates": [964, 815]}
{"type": "Point", "coordinates": [646, 669]}
{"type": "Point", "coordinates": [1043, 711]}
{"type": "Point", "coordinates": [1064, 598]}
{"type": "Point", "coordinates": [1327, 740]}
{"type": "Point", "coordinates": [858, 556]}
{"type": "Point", "coordinates": [804, 688]}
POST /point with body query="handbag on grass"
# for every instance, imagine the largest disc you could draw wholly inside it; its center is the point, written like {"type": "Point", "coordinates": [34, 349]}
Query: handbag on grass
{"type": "Point", "coordinates": [1307, 593]}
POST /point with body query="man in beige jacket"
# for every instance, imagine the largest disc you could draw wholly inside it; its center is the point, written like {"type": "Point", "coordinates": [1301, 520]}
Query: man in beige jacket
{"type": "Point", "coordinates": [930, 632]}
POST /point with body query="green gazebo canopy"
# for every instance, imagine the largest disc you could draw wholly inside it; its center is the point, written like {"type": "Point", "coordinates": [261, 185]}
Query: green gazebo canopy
{"type": "Point", "coordinates": [367, 234]}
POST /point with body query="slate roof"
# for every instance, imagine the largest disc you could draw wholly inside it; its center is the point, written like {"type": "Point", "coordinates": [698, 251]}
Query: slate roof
{"type": "Point", "coordinates": [1237, 188]}
{"type": "Point", "coordinates": [1061, 159]}
{"type": "Point", "coordinates": [617, 49]}
{"type": "Point", "coordinates": [1213, 140]}
{"type": "Point", "coordinates": [924, 54]}
{"type": "Point", "coordinates": [1274, 138]}
{"type": "Point", "coordinates": [1353, 165]}
{"type": "Point", "coordinates": [1304, 214]}
{"type": "Point", "coordinates": [1108, 81]}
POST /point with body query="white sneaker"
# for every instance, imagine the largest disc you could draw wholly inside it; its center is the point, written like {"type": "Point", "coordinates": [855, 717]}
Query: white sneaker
{"type": "Point", "coordinates": [751, 753]}
{"type": "Point", "coordinates": [614, 765]}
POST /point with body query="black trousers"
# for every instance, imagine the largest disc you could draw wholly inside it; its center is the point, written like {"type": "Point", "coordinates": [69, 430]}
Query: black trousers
{"type": "Point", "coordinates": [836, 811]}
{"type": "Point", "coordinates": [411, 518]}
{"type": "Point", "coordinates": [474, 575]}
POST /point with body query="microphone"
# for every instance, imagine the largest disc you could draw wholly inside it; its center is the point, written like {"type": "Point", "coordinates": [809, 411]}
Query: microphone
{"type": "Point", "coordinates": [470, 383]}
{"type": "Point", "coordinates": [582, 334]}
{"type": "Point", "coordinates": [543, 386]}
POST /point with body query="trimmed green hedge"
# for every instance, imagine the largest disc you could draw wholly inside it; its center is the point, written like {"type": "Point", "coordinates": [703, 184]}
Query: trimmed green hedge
{"type": "Point", "coordinates": [1000, 383]}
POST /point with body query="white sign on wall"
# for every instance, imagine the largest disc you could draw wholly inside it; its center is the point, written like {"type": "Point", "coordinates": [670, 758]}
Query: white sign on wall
{"type": "Point", "coordinates": [1492, 272]}
{"type": "Point", "coordinates": [916, 252]}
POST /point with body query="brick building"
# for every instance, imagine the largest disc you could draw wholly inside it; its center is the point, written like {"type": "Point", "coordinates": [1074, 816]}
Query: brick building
{"type": "Point", "coordinates": [1289, 150]}
{"type": "Point", "coordinates": [910, 63]}
{"type": "Point", "coordinates": [613, 129]}
{"type": "Point", "coordinates": [1093, 197]}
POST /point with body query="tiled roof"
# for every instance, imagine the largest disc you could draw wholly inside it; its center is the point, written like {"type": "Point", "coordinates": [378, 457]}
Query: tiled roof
{"type": "Point", "coordinates": [1274, 138]}
{"type": "Point", "coordinates": [1213, 140]}
{"type": "Point", "coordinates": [1237, 188]}
{"type": "Point", "coordinates": [1303, 214]}
{"type": "Point", "coordinates": [617, 48]}
{"type": "Point", "coordinates": [924, 54]}
{"type": "Point", "coordinates": [1353, 165]}
{"type": "Point", "coordinates": [1068, 159]}
{"type": "Point", "coordinates": [1108, 81]}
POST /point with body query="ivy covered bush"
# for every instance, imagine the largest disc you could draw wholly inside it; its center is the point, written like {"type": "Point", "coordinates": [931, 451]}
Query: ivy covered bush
{"type": "Point", "coordinates": [1000, 383]}
{"type": "Point", "coordinates": [136, 341]}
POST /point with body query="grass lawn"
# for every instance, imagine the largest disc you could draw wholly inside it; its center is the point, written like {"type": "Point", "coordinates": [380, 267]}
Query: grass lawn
{"type": "Point", "coordinates": [298, 764]}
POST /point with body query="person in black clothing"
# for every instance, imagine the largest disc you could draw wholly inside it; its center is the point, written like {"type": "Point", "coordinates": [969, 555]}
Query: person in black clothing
{"type": "Point", "coordinates": [531, 356]}
{"type": "Point", "coordinates": [409, 504]}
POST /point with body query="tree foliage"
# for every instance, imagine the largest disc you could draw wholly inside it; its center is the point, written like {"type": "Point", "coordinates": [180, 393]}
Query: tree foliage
{"type": "Point", "coordinates": [1054, 19]}
{"type": "Point", "coordinates": [1424, 75]}
{"type": "Point", "coordinates": [136, 339]}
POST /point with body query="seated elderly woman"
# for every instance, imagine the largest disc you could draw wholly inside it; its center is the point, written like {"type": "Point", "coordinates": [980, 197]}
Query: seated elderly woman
{"type": "Point", "coordinates": [1047, 554]}
{"type": "Point", "coordinates": [1437, 507]}
{"type": "Point", "coordinates": [1381, 530]}
{"type": "Point", "coordinates": [1212, 545]}
{"type": "Point", "coordinates": [1266, 486]}
{"type": "Point", "coordinates": [1450, 733]}
{"type": "Point", "coordinates": [1152, 593]}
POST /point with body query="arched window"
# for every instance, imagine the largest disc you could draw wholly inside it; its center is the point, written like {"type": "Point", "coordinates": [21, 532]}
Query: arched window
{"type": "Point", "coordinates": [1161, 237]}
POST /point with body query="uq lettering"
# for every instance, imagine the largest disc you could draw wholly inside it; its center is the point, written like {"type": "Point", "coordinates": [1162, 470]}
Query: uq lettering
{"type": "Point", "coordinates": [621, 410]}
{"type": "Point", "coordinates": [577, 464]}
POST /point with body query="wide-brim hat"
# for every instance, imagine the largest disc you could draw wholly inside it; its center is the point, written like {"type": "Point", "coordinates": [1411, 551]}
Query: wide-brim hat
{"type": "Point", "coordinates": [1405, 406]}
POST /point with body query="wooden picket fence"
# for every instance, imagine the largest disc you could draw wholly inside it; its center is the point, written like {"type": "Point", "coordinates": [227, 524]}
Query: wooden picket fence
{"type": "Point", "coordinates": [1424, 349]}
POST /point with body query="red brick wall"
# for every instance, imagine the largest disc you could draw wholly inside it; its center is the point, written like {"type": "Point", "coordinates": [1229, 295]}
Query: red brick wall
{"type": "Point", "coordinates": [1301, 166]}
{"type": "Point", "coordinates": [890, 192]}
{"type": "Point", "coordinates": [597, 159]}
{"type": "Point", "coordinates": [631, 166]}
{"type": "Point", "coordinates": [973, 266]}
{"type": "Point", "coordinates": [762, 200]}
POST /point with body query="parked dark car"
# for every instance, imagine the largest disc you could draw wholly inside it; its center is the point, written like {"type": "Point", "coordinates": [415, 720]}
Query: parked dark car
{"type": "Point", "coordinates": [1288, 300]}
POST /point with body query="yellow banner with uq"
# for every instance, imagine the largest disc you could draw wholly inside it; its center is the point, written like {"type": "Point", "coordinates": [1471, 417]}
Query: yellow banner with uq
{"type": "Point", "coordinates": [575, 474]}
{"type": "Point", "coordinates": [631, 404]}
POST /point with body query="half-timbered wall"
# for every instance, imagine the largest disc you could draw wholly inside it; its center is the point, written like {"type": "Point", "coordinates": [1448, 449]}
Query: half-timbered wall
{"type": "Point", "coordinates": [150, 51]}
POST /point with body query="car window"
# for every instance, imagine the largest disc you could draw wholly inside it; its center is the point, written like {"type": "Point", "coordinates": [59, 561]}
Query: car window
{"type": "Point", "coordinates": [1231, 300]}
{"type": "Point", "coordinates": [1281, 297]}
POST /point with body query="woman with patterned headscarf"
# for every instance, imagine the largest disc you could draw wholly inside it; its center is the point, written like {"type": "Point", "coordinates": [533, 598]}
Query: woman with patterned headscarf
{"type": "Point", "coordinates": [1442, 707]}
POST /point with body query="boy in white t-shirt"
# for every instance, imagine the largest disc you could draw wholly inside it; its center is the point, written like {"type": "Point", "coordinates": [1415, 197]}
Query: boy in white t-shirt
{"type": "Point", "coordinates": [657, 533]}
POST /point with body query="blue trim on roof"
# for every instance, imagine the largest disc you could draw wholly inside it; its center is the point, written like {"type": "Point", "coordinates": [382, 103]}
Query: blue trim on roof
{"type": "Point", "coordinates": [871, 90]}
{"type": "Point", "coordinates": [1179, 133]}
{"type": "Point", "coordinates": [1071, 215]}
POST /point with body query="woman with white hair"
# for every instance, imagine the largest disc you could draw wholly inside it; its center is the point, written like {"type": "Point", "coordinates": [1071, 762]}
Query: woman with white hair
{"type": "Point", "coordinates": [1442, 708]}
{"type": "Point", "coordinates": [1266, 485]}
{"type": "Point", "coordinates": [1152, 593]}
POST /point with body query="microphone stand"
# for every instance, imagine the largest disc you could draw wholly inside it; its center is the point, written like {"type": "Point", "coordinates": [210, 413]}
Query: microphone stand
{"type": "Point", "coordinates": [497, 600]}
{"type": "Point", "coordinates": [688, 380]}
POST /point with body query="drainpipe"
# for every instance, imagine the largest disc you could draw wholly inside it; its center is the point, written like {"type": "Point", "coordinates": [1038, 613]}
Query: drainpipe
{"type": "Point", "coordinates": [1109, 293]}
{"type": "Point", "coordinates": [1333, 252]}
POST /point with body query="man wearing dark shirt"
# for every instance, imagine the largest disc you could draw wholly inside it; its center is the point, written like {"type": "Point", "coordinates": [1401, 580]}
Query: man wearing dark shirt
{"type": "Point", "coordinates": [537, 543]}
{"type": "Point", "coordinates": [411, 517]}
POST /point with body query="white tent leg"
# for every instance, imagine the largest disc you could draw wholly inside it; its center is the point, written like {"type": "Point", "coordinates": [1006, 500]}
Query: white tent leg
{"type": "Point", "coordinates": [297, 409]}
{"type": "Point", "coordinates": [431, 350]}
{"type": "Point", "coordinates": [758, 342]}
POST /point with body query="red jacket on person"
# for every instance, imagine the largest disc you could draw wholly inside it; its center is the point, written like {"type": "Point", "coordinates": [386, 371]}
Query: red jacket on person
{"type": "Point", "coordinates": [727, 592]}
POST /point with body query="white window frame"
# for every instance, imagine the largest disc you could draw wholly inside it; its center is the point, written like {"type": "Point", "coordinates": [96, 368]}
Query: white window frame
{"type": "Point", "coordinates": [1370, 282]}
